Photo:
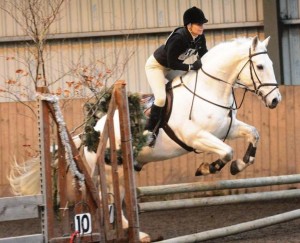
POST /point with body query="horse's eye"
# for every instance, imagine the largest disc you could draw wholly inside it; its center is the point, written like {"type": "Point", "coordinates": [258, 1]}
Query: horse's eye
{"type": "Point", "coordinates": [260, 67]}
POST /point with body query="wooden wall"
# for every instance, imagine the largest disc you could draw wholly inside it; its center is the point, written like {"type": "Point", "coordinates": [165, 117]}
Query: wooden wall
{"type": "Point", "coordinates": [278, 152]}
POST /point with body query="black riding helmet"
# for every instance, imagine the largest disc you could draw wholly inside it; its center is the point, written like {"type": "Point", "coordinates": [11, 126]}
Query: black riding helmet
{"type": "Point", "coordinates": [194, 15]}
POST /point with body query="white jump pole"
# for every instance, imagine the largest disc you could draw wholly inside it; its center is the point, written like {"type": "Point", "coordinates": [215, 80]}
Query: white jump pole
{"type": "Point", "coordinates": [219, 185]}
{"type": "Point", "coordinates": [217, 200]}
{"type": "Point", "coordinates": [235, 229]}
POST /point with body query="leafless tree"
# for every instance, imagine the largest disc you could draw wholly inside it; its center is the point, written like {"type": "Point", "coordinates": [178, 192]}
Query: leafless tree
{"type": "Point", "coordinates": [35, 18]}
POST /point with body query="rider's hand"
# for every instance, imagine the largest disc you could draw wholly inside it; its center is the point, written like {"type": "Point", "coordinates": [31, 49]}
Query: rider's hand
{"type": "Point", "coordinates": [196, 65]}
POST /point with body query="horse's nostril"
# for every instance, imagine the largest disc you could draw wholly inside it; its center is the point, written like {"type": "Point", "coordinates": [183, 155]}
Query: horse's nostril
{"type": "Point", "coordinates": [274, 102]}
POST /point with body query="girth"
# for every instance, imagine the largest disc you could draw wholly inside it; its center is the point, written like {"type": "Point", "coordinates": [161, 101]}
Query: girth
{"type": "Point", "coordinates": [167, 113]}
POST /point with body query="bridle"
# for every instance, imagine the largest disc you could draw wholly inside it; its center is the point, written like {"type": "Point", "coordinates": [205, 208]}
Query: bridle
{"type": "Point", "coordinates": [256, 89]}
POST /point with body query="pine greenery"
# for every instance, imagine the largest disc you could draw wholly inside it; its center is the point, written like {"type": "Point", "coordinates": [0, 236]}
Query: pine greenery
{"type": "Point", "coordinates": [96, 110]}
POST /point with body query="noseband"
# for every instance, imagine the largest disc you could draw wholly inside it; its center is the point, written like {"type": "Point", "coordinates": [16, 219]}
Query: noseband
{"type": "Point", "coordinates": [259, 84]}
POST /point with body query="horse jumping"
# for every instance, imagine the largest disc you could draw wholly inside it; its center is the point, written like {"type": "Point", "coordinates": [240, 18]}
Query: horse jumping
{"type": "Point", "coordinates": [204, 108]}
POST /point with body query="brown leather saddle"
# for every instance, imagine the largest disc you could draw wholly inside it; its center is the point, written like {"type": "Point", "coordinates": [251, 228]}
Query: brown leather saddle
{"type": "Point", "coordinates": [148, 100]}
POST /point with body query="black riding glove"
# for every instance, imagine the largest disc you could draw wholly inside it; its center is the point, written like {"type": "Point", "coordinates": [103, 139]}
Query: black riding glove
{"type": "Point", "coordinates": [196, 65]}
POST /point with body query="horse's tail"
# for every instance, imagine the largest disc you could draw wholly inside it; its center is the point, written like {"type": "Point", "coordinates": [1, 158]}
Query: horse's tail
{"type": "Point", "coordinates": [24, 178]}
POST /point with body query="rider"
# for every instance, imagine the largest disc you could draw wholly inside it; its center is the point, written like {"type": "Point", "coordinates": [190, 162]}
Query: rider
{"type": "Point", "coordinates": [182, 43]}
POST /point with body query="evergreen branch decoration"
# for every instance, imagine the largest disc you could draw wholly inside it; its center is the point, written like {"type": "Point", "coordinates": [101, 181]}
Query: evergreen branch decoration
{"type": "Point", "coordinates": [94, 111]}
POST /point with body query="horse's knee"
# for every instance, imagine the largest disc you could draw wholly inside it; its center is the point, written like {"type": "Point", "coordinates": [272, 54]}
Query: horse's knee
{"type": "Point", "coordinates": [254, 138]}
{"type": "Point", "coordinates": [228, 155]}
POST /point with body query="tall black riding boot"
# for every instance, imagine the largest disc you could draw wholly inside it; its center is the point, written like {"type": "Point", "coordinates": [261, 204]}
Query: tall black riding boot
{"type": "Point", "coordinates": [155, 117]}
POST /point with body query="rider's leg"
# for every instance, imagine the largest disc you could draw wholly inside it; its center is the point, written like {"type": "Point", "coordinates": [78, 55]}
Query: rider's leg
{"type": "Point", "coordinates": [156, 78]}
{"type": "Point", "coordinates": [155, 117]}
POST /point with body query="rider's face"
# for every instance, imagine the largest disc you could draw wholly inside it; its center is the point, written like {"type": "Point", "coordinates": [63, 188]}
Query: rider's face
{"type": "Point", "coordinates": [197, 29]}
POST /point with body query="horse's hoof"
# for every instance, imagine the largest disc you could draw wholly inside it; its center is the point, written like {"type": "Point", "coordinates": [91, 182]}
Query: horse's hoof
{"type": "Point", "coordinates": [204, 169]}
{"type": "Point", "coordinates": [198, 173]}
{"type": "Point", "coordinates": [234, 168]}
{"type": "Point", "coordinates": [144, 238]}
{"type": "Point", "coordinates": [137, 167]}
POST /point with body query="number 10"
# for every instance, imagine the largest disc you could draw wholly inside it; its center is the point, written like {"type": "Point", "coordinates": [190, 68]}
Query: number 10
{"type": "Point", "coordinates": [83, 223]}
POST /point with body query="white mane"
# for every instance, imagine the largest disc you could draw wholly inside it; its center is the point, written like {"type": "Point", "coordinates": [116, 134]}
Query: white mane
{"type": "Point", "coordinates": [235, 41]}
{"type": "Point", "coordinates": [224, 50]}
{"type": "Point", "coordinates": [227, 46]}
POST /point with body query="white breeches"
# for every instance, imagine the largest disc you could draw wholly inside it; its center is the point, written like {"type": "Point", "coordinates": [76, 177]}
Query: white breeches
{"type": "Point", "coordinates": [156, 77]}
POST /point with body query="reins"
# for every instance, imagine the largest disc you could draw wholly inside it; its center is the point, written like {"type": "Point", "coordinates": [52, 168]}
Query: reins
{"type": "Point", "coordinates": [230, 108]}
{"type": "Point", "coordinates": [200, 97]}
{"type": "Point", "coordinates": [190, 116]}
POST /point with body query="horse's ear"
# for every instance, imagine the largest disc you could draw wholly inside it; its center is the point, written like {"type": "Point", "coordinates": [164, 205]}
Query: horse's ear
{"type": "Point", "coordinates": [254, 43]}
{"type": "Point", "coordinates": [266, 41]}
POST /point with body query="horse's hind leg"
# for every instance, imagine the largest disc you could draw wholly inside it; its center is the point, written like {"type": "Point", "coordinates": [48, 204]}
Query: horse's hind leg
{"type": "Point", "coordinates": [213, 168]}
{"type": "Point", "coordinates": [209, 143]}
{"type": "Point", "coordinates": [251, 133]}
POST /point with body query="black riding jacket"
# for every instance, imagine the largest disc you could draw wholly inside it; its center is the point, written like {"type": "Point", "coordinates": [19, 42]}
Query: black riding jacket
{"type": "Point", "coordinates": [178, 47]}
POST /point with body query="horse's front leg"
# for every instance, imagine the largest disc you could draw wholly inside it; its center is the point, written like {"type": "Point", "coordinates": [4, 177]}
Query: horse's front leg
{"type": "Point", "coordinates": [239, 130]}
{"type": "Point", "coordinates": [209, 143]}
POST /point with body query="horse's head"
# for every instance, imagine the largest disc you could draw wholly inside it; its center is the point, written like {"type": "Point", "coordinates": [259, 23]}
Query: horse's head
{"type": "Point", "coordinates": [256, 73]}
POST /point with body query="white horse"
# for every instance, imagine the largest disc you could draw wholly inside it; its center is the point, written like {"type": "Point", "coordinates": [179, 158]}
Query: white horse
{"type": "Point", "coordinates": [204, 109]}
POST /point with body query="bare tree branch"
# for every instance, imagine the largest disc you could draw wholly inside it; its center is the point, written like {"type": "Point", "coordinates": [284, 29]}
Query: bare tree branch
{"type": "Point", "coordinates": [35, 17]}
